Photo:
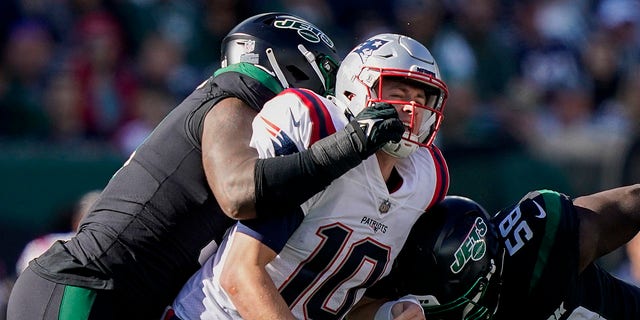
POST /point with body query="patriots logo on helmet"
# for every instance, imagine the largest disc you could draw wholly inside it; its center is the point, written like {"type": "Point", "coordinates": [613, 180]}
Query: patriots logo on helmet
{"type": "Point", "coordinates": [367, 48]}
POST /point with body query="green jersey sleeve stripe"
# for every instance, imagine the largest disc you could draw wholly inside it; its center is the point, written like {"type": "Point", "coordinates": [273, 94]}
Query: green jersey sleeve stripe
{"type": "Point", "coordinates": [254, 72]}
{"type": "Point", "coordinates": [552, 206]}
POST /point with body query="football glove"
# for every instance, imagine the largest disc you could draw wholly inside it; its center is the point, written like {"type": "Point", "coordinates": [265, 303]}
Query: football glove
{"type": "Point", "coordinates": [376, 125]}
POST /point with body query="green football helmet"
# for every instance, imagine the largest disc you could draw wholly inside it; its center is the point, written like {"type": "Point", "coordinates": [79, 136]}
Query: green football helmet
{"type": "Point", "coordinates": [452, 261]}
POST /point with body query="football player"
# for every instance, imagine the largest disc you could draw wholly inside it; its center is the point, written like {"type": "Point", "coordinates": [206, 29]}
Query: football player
{"type": "Point", "coordinates": [169, 205]}
{"type": "Point", "coordinates": [532, 260]}
{"type": "Point", "coordinates": [317, 263]}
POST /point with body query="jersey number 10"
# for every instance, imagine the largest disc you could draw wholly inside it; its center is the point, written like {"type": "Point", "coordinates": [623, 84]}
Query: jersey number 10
{"type": "Point", "coordinates": [311, 271]}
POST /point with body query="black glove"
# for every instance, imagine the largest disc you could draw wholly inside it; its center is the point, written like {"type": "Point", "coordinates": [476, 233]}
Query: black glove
{"type": "Point", "coordinates": [378, 123]}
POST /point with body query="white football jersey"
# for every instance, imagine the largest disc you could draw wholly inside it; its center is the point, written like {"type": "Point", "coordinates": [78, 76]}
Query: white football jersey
{"type": "Point", "coordinates": [351, 232]}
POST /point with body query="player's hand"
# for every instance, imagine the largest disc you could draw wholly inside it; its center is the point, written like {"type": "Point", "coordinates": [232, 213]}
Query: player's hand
{"type": "Point", "coordinates": [379, 123]}
{"type": "Point", "coordinates": [406, 310]}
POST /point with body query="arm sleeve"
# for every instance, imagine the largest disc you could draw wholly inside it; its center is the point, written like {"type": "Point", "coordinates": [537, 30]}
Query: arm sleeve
{"type": "Point", "coordinates": [301, 152]}
{"type": "Point", "coordinates": [289, 181]}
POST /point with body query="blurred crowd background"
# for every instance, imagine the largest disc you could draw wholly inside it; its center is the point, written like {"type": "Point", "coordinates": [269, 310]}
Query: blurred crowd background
{"type": "Point", "coordinates": [543, 93]}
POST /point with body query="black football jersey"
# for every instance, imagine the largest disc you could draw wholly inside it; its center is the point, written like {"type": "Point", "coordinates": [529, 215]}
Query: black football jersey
{"type": "Point", "coordinates": [540, 277]}
{"type": "Point", "coordinates": [145, 234]}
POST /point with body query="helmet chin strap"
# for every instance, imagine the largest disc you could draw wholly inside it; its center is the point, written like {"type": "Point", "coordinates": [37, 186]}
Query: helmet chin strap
{"type": "Point", "coordinates": [403, 148]}
{"type": "Point", "coordinates": [276, 68]}
{"type": "Point", "coordinates": [312, 61]}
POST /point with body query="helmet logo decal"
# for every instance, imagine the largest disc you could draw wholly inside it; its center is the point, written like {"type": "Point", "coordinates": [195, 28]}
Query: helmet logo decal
{"type": "Point", "coordinates": [249, 46]}
{"type": "Point", "coordinates": [473, 247]}
{"type": "Point", "coordinates": [306, 30]}
{"type": "Point", "coordinates": [366, 49]}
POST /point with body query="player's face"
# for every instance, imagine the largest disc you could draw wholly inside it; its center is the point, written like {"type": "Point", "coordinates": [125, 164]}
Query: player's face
{"type": "Point", "coordinates": [399, 90]}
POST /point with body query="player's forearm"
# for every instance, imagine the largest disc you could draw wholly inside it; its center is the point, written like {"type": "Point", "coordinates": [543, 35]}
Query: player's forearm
{"type": "Point", "coordinates": [247, 283]}
{"type": "Point", "coordinates": [256, 297]}
{"type": "Point", "coordinates": [285, 182]}
{"type": "Point", "coordinates": [257, 187]}
{"type": "Point", "coordinates": [608, 220]}
{"type": "Point", "coordinates": [626, 201]}
{"type": "Point", "coordinates": [280, 184]}
{"type": "Point", "coordinates": [244, 185]}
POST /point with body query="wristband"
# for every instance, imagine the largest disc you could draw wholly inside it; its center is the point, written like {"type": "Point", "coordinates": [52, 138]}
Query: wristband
{"type": "Point", "coordinates": [384, 312]}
